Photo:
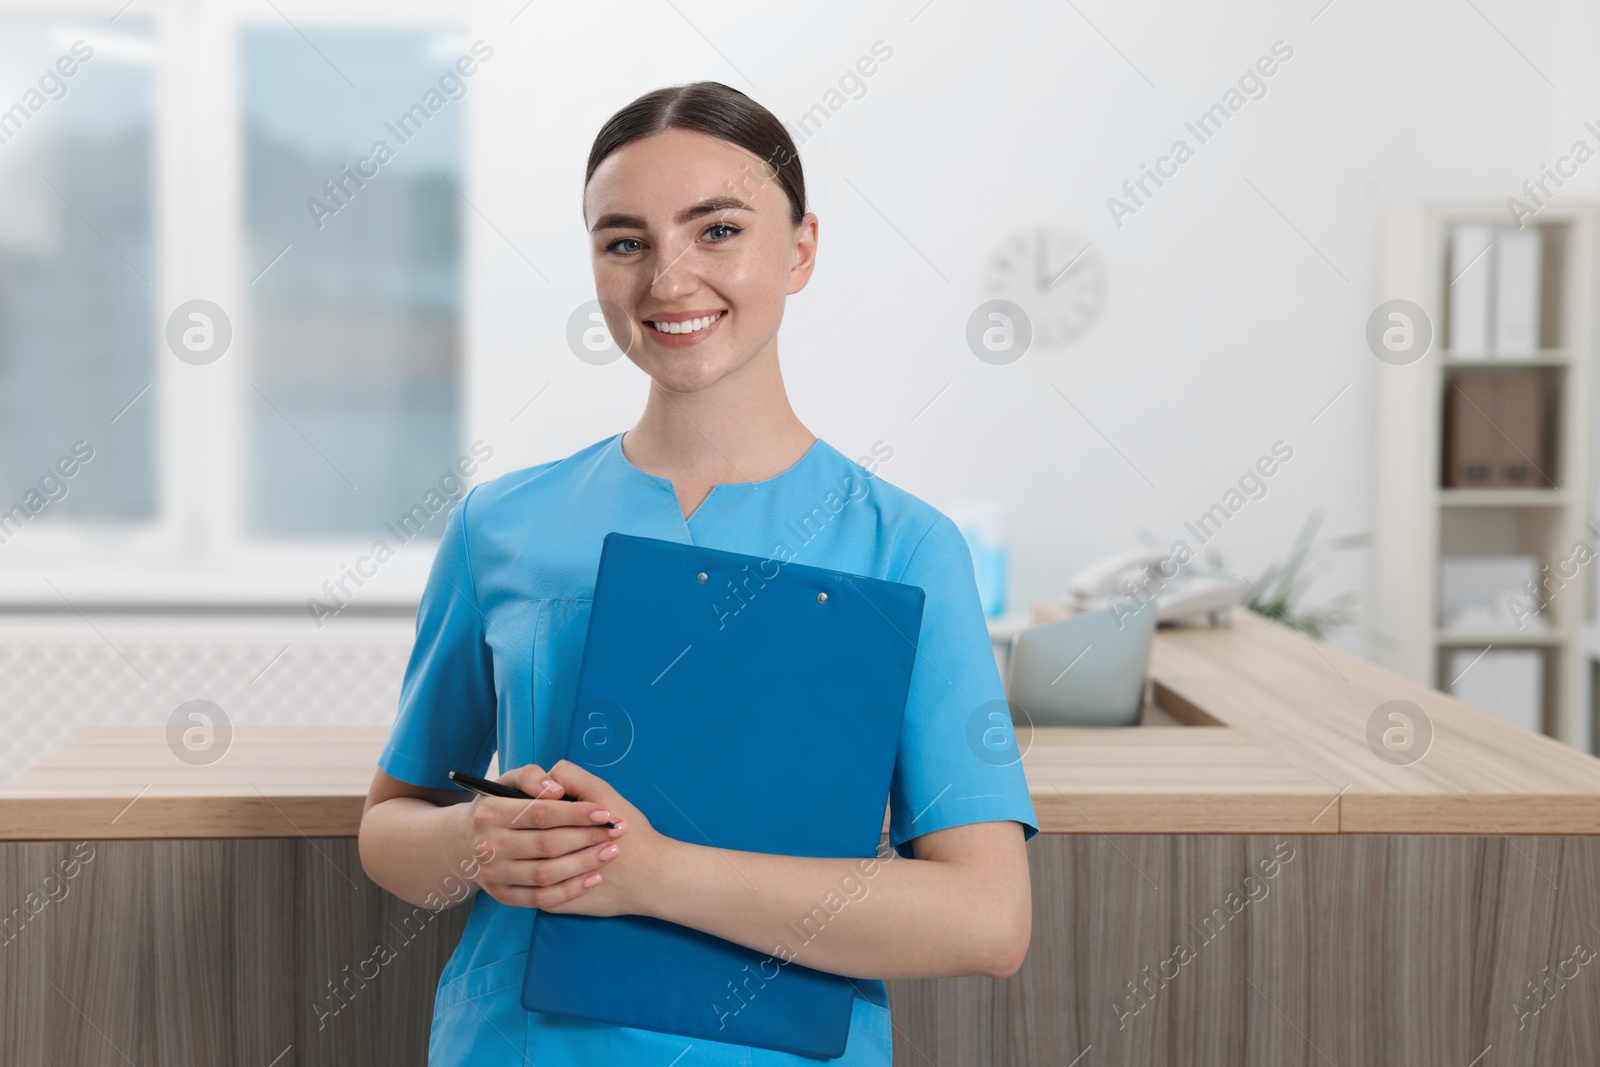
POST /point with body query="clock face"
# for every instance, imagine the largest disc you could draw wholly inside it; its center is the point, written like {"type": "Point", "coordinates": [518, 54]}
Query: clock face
{"type": "Point", "coordinates": [1057, 277]}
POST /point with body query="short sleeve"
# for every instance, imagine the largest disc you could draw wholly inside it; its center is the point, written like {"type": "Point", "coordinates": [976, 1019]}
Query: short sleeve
{"type": "Point", "coordinates": [446, 719]}
{"type": "Point", "coordinates": [958, 761]}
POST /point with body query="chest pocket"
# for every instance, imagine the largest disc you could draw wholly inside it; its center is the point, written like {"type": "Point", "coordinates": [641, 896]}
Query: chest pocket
{"type": "Point", "coordinates": [562, 626]}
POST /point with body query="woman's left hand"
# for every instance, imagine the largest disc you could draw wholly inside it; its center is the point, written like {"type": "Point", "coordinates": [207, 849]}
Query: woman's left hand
{"type": "Point", "coordinates": [625, 879]}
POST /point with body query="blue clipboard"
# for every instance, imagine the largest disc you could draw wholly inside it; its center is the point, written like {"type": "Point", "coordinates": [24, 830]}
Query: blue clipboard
{"type": "Point", "coordinates": [708, 677]}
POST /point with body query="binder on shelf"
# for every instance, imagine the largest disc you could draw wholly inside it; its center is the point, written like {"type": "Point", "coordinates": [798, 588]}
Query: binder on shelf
{"type": "Point", "coordinates": [1487, 593]}
{"type": "Point", "coordinates": [1516, 291]}
{"type": "Point", "coordinates": [716, 691]}
{"type": "Point", "coordinates": [1520, 457]}
{"type": "Point", "coordinates": [1471, 287]}
{"type": "Point", "coordinates": [1507, 683]}
{"type": "Point", "coordinates": [1495, 430]}
{"type": "Point", "coordinates": [1472, 442]}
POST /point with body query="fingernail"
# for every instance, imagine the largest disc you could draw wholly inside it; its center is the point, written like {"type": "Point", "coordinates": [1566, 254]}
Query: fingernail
{"type": "Point", "coordinates": [591, 881]}
{"type": "Point", "coordinates": [600, 816]}
{"type": "Point", "coordinates": [609, 851]}
{"type": "Point", "coordinates": [622, 825]}
{"type": "Point", "coordinates": [550, 785]}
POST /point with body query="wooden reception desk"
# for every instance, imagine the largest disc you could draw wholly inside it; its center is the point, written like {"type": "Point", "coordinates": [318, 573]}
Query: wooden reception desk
{"type": "Point", "coordinates": [1256, 886]}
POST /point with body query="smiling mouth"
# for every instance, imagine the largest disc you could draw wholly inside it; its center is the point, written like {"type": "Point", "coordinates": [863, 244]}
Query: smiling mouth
{"type": "Point", "coordinates": [688, 326]}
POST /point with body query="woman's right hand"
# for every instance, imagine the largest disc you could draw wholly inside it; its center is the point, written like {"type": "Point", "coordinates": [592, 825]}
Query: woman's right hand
{"type": "Point", "coordinates": [541, 852]}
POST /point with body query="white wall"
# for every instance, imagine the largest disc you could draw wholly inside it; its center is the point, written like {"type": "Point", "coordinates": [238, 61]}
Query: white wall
{"type": "Point", "coordinates": [1225, 330]}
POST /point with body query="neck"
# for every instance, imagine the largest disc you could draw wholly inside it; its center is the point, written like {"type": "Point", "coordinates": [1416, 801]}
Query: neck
{"type": "Point", "coordinates": [739, 429]}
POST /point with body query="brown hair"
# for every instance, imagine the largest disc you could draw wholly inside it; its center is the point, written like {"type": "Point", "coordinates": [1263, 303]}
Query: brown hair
{"type": "Point", "coordinates": [716, 109]}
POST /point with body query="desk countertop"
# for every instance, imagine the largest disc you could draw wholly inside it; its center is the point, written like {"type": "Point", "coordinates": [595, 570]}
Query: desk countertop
{"type": "Point", "coordinates": [1274, 741]}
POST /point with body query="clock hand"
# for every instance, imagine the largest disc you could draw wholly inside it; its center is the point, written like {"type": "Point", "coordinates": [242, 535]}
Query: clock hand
{"type": "Point", "coordinates": [1068, 267]}
{"type": "Point", "coordinates": [1041, 269]}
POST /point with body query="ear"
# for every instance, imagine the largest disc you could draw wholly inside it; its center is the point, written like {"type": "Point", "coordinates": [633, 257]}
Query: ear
{"type": "Point", "coordinates": [805, 252]}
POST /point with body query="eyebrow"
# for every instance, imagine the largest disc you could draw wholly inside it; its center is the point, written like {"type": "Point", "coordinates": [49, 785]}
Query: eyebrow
{"type": "Point", "coordinates": [617, 221]}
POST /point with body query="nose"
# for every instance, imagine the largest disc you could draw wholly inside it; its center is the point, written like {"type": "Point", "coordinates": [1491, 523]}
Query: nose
{"type": "Point", "coordinates": [676, 276]}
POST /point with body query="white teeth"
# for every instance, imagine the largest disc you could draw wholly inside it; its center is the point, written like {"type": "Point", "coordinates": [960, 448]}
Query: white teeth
{"type": "Point", "coordinates": [686, 327]}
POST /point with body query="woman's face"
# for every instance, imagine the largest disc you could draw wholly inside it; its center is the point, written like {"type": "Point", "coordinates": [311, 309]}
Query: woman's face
{"type": "Point", "coordinates": [686, 226]}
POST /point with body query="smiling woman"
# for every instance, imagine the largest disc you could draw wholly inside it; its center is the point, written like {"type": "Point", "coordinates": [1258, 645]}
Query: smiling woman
{"type": "Point", "coordinates": [739, 248]}
{"type": "Point", "coordinates": [694, 201]}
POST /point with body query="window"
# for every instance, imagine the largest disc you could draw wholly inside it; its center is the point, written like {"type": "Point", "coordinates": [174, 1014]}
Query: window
{"type": "Point", "coordinates": [219, 154]}
{"type": "Point", "coordinates": [350, 201]}
{"type": "Point", "coordinates": [77, 273]}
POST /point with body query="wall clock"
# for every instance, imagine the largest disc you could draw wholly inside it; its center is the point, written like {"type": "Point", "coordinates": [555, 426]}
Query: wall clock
{"type": "Point", "coordinates": [1057, 277]}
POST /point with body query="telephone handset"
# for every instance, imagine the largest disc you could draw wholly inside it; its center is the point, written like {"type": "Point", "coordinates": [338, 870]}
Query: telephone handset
{"type": "Point", "coordinates": [1136, 576]}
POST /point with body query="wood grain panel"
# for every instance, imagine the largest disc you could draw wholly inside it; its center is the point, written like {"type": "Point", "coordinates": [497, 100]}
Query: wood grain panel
{"type": "Point", "coordinates": [1309, 703]}
{"type": "Point", "coordinates": [1170, 779]}
{"type": "Point", "coordinates": [212, 952]}
{"type": "Point", "coordinates": [312, 783]}
{"type": "Point", "coordinates": [127, 783]}
{"type": "Point", "coordinates": [1384, 951]}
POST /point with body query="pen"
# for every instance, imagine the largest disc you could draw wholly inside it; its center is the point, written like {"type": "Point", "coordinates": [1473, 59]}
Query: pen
{"type": "Point", "coordinates": [484, 787]}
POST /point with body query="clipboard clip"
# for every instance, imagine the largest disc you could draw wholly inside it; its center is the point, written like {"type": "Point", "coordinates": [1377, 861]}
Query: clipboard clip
{"type": "Point", "coordinates": [702, 577]}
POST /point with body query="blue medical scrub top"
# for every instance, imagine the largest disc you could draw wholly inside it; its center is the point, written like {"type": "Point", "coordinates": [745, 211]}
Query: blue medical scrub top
{"type": "Point", "coordinates": [500, 635]}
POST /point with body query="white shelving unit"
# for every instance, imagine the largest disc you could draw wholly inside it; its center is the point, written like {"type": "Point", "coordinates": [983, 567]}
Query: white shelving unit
{"type": "Point", "coordinates": [1419, 521]}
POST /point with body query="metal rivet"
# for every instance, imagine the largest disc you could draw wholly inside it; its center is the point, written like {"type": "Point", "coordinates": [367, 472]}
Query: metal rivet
{"type": "Point", "coordinates": [822, 598]}
{"type": "Point", "coordinates": [701, 578]}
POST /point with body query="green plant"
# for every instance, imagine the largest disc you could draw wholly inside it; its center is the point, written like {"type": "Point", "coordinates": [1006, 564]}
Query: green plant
{"type": "Point", "coordinates": [1279, 591]}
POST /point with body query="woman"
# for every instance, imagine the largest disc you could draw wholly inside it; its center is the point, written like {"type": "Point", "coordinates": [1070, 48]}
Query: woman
{"type": "Point", "coordinates": [695, 204]}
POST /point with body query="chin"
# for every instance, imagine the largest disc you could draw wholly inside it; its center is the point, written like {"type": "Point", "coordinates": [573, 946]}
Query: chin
{"type": "Point", "coordinates": [682, 377]}
{"type": "Point", "coordinates": [687, 371]}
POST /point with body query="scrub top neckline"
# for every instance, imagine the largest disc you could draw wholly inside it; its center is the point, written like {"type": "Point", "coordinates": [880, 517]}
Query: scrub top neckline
{"type": "Point", "coordinates": [672, 490]}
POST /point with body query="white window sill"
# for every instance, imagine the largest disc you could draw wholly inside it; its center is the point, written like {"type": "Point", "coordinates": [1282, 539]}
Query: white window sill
{"type": "Point", "coordinates": [279, 580]}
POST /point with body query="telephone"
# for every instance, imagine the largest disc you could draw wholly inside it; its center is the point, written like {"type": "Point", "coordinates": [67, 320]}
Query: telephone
{"type": "Point", "coordinates": [1132, 578]}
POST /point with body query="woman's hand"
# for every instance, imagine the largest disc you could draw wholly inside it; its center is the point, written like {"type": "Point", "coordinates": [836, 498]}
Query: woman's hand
{"type": "Point", "coordinates": [541, 852]}
{"type": "Point", "coordinates": [629, 875]}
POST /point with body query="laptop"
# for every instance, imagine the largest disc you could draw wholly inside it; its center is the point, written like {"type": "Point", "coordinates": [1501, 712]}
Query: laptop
{"type": "Point", "coordinates": [1084, 670]}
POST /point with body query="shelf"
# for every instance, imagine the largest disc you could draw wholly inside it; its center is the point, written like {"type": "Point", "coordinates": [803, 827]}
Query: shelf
{"type": "Point", "coordinates": [1550, 357]}
{"type": "Point", "coordinates": [1499, 638]}
{"type": "Point", "coordinates": [1504, 498]}
{"type": "Point", "coordinates": [1418, 521]}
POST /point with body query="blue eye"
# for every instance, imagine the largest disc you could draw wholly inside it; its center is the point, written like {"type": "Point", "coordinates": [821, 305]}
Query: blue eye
{"type": "Point", "coordinates": [731, 232]}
